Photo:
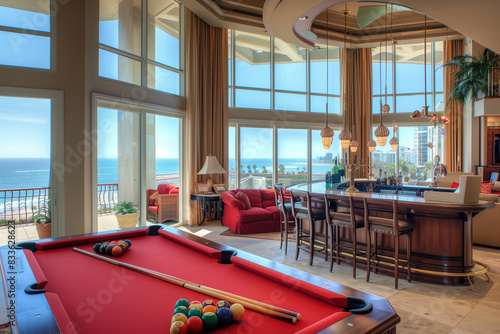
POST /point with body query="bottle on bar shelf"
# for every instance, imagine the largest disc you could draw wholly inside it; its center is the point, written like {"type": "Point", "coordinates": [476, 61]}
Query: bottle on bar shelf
{"type": "Point", "coordinates": [328, 180]}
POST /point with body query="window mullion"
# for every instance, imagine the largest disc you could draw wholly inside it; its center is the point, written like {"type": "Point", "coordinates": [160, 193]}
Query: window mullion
{"type": "Point", "coordinates": [144, 44]}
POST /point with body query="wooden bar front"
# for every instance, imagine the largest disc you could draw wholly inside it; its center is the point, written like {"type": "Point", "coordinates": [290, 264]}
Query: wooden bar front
{"type": "Point", "coordinates": [441, 240]}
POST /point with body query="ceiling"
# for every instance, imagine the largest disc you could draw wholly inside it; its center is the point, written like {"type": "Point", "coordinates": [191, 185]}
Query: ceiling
{"type": "Point", "coordinates": [446, 19]}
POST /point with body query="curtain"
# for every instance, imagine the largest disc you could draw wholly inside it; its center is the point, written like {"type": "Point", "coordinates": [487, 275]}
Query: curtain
{"type": "Point", "coordinates": [206, 105]}
{"type": "Point", "coordinates": [357, 87]}
{"type": "Point", "coordinates": [454, 110]}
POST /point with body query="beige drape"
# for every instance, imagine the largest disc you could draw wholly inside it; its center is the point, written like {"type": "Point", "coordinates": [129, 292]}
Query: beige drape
{"type": "Point", "coordinates": [454, 111]}
{"type": "Point", "coordinates": [206, 96]}
{"type": "Point", "coordinates": [358, 92]}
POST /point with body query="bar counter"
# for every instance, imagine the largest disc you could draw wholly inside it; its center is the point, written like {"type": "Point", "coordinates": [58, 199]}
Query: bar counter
{"type": "Point", "coordinates": [441, 247]}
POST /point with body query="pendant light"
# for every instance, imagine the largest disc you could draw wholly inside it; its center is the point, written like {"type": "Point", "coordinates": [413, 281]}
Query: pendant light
{"type": "Point", "coordinates": [382, 132]}
{"type": "Point", "coordinates": [372, 145]}
{"type": "Point", "coordinates": [394, 142]}
{"type": "Point", "coordinates": [327, 132]}
{"type": "Point", "coordinates": [345, 135]}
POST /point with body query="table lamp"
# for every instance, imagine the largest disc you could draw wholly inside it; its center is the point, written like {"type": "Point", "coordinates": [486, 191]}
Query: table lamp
{"type": "Point", "coordinates": [211, 166]}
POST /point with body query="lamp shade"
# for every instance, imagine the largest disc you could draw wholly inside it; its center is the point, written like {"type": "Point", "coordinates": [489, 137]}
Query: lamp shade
{"type": "Point", "coordinates": [211, 166]}
{"type": "Point", "coordinates": [345, 138]}
{"type": "Point", "coordinates": [353, 145]}
{"type": "Point", "coordinates": [382, 132]}
{"type": "Point", "coordinates": [326, 137]}
{"type": "Point", "coordinates": [372, 145]}
{"type": "Point", "coordinates": [394, 143]}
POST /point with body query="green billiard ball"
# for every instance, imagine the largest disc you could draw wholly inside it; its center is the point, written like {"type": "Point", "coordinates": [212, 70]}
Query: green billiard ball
{"type": "Point", "coordinates": [209, 321]}
{"type": "Point", "coordinates": [194, 312]}
{"type": "Point", "coordinates": [182, 302]}
{"type": "Point", "coordinates": [181, 309]}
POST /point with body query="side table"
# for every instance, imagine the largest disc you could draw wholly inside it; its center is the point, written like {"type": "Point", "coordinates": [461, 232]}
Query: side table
{"type": "Point", "coordinates": [205, 201]}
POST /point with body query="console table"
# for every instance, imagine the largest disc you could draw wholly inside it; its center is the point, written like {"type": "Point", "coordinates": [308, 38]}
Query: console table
{"type": "Point", "coordinates": [206, 201]}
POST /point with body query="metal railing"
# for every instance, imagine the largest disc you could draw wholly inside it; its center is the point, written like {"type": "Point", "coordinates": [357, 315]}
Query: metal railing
{"type": "Point", "coordinates": [107, 198]}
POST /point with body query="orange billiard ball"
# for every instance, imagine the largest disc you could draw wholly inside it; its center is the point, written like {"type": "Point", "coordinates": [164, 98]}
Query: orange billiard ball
{"type": "Point", "coordinates": [117, 251]}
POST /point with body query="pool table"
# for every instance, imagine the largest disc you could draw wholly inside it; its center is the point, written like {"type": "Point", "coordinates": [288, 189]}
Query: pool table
{"type": "Point", "coordinates": [59, 290]}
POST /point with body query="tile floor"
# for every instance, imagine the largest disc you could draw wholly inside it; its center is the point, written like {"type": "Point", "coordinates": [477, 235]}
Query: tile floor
{"type": "Point", "coordinates": [423, 308]}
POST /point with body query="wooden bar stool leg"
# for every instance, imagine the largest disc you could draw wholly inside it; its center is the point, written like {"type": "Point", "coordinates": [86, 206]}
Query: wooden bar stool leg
{"type": "Point", "coordinates": [408, 255]}
{"type": "Point", "coordinates": [337, 246]}
{"type": "Point", "coordinates": [298, 228]}
{"type": "Point", "coordinates": [312, 240]}
{"type": "Point", "coordinates": [396, 260]}
{"type": "Point", "coordinates": [326, 240]}
{"type": "Point", "coordinates": [368, 253]}
{"type": "Point", "coordinates": [354, 250]}
{"type": "Point", "coordinates": [332, 249]}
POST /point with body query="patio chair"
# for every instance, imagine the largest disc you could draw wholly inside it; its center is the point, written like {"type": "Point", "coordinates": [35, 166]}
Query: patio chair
{"type": "Point", "coordinates": [163, 203]}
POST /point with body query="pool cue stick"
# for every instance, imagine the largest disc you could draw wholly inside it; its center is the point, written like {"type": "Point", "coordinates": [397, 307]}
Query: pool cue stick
{"type": "Point", "coordinates": [247, 303]}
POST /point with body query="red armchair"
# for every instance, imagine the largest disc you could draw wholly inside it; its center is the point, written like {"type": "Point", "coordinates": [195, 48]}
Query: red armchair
{"type": "Point", "coordinates": [163, 203]}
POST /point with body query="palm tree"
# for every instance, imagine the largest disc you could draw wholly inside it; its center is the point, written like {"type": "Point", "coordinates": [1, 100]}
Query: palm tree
{"type": "Point", "coordinates": [471, 75]}
{"type": "Point", "coordinates": [281, 168]}
{"type": "Point", "coordinates": [254, 166]}
{"type": "Point", "coordinates": [264, 170]}
{"type": "Point", "coordinates": [249, 169]}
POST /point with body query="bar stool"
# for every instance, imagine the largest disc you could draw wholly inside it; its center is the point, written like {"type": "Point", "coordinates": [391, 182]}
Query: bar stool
{"type": "Point", "coordinates": [305, 211]}
{"type": "Point", "coordinates": [285, 208]}
{"type": "Point", "coordinates": [347, 219]}
{"type": "Point", "coordinates": [391, 226]}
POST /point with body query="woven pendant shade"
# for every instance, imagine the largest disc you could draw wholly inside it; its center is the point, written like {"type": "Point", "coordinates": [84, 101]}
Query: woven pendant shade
{"type": "Point", "coordinates": [326, 137]}
{"type": "Point", "coordinates": [345, 137]}
{"type": "Point", "coordinates": [372, 145]}
{"type": "Point", "coordinates": [394, 143]}
{"type": "Point", "coordinates": [382, 133]}
{"type": "Point", "coordinates": [354, 146]}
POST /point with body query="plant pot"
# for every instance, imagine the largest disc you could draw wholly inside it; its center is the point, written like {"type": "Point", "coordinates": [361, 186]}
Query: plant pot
{"type": "Point", "coordinates": [127, 221]}
{"type": "Point", "coordinates": [44, 230]}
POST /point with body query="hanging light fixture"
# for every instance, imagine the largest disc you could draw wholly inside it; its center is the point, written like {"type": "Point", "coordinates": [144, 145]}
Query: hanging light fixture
{"type": "Point", "coordinates": [394, 142]}
{"type": "Point", "coordinates": [327, 132]}
{"type": "Point", "coordinates": [353, 145]}
{"type": "Point", "coordinates": [382, 132]}
{"type": "Point", "coordinates": [345, 135]}
{"type": "Point", "coordinates": [372, 145]}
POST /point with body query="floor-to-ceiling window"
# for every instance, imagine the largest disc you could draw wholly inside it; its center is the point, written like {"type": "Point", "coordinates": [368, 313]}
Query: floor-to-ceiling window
{"type": "Point", "coordinates": [138, 148]}
{"type": "Point", "coordinates": [31, 170]}
{"type": "Point", "coordinates": [141, 52]}
{"type": "Point", "coordinates": [256, 158]}
{"type": "Point", "coordinates": [398, 80]}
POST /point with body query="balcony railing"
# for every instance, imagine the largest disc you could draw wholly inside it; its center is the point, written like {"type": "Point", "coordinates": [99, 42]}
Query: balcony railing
{"type": "Point", "coordinates": [21, 205]}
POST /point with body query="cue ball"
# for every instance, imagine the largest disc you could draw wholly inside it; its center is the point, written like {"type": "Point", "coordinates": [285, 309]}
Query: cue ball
{"type": "Point", "coordinates": [194, 325]}
{"type": "Point", "coordinates": [209, 321]}
{"type": "Point", "coordinates": [238, 311]}
{"type": "Point", "coordinates": [225, 316]}
{"type": "Point", "coordinates": [178, 327]}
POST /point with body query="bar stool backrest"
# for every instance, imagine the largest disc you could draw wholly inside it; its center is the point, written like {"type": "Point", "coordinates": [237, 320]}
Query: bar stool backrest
{"type": "Point", "coordinates": [332, 204]}
{"type": "Point", "coordinates": [374, 205]}
{"type": "Point", "coordinates": [297, 196]}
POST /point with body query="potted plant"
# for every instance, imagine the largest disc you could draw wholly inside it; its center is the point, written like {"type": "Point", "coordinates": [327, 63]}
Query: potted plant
{"type": "Point", "coordinates": [126, 214]}
{"type": "Point", "coordinates": [43, 220]}
{"type": "Point", "coordinates": [471, 75]}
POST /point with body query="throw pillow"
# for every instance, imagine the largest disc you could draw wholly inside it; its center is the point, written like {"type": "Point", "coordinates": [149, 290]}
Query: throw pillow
{"type": "Point", "coordinates": [486, 188]}
{"type": "Point", "coordinates": [496, 186]}
{"type": "Point", "coordinates": [244, 198]}
{"type": "Point", "coordinates": [454, 185]}
{"type": "Point", "coordinates": [154, 197]}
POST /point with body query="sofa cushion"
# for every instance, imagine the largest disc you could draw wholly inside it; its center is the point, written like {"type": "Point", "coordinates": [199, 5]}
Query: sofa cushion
{"type": "Point", "coordinates": [254, 197]}
{"type": "Point", "coordinates": [153, 197]}
{"type": "Point", "coordinates": [254, 214]}
{"type": "Point", "coordinates": [229, 199]}
{"type": "Point", "coordinates": [275, 211]}
{"type": "Point", "coordinates": [486, 188]}
{"type": "Point", "coordinates": [244, 199]}
{"type": "Point", "coordinates": [488, 197]}
{"type": "Point", "coordinates": [152, 208]}
{"type": "Point", "coordinates": [267, 196]}
{"type": "Point", "coordinates": [496, 186]}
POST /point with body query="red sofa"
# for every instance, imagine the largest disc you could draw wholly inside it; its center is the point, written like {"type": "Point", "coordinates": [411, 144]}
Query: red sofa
{"type": "Point", "coordinates": [163, 203]}
{"type": "Point", "coordinates": [263, 216]}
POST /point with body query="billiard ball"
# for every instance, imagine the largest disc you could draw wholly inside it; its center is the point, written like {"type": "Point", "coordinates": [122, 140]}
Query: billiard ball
{"type": "Point", "coordinates": [195, 304]}
{"type": "Point", "coordinates": [181, 309]}
{"type": "Point", "coordinates": [223, 303]}
{"type": "Point", "coordinates": [182, 302]}
{"type": "Point", "coordinates": [102, 249]}
{"type": "Point", "coordinates": [208, 302]}
{"type": "Point", "coordinates": [113, 243]}
{"type": "Point", "coordinates": [97, 248]}
{"type": "Point", "coordinates": [122, 246]}
{"type": "Point", "coordinates": [179, 317]}
{"type": "Point", "coordinates": [128, 242]}
{"type": "Point", "coordinates": [178, 327]}
{"type": "Point", "coordinates": [238, 311]}
{"type": "Point", "coordinates": [224, 316]}
{"type": "Point", "coordinates": [209, 321]}
{"type": "Point", "coordinates": [116, 251]}
{"type": "Point", "coordinates": [209, 308]}
{"type": "Point", "coordinates": [195, 312]}
{"type": "Point", "coordinates": [109, 249]}
{"type": "Point", "coordinates": [194, 325]}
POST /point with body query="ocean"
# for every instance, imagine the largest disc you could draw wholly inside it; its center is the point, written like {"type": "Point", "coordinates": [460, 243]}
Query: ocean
{"type": "Point", "coordinates": [23, 173]}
